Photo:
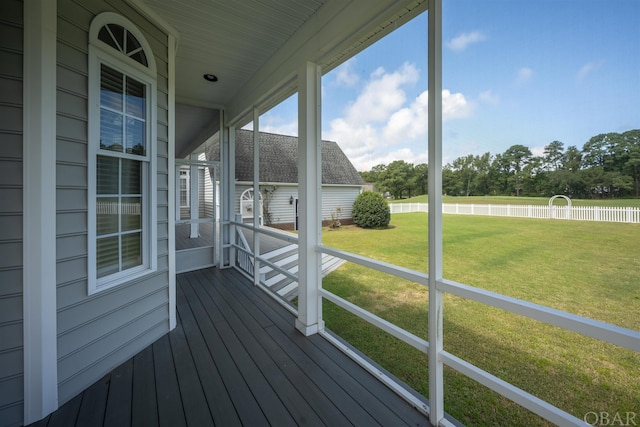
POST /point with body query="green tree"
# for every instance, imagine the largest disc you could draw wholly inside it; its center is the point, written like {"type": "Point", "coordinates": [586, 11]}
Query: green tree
{"type": "Point", "coordinates": [375, 176]}
{"type": "Point", "coordinates": [421, 174]}
{"type": "Point", "coordinates": [632, 166]}
{"type": "Point", "coordinates": [451, 184]}
{"type": "Point", "coordinates": [517, 157]}
{"type": "Point", "coordinates": [482, 165]}
{"type": "Point", "coordinates": [552, 158]}
{"type": "Point", "coordinates": [465, 172]}
{"type": "Point", "coordinates": [572, 159]}
{"type": "Point", "coordinates": [396, 178]}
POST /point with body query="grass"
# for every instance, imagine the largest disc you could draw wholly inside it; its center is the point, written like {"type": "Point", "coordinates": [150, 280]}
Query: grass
{"type": "Point", "coordinates": [510, 200]}
{"type": "Point", "coordinates": [587, 268]}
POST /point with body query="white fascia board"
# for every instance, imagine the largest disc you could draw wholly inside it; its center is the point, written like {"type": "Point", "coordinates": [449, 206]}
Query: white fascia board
{"type": "Point", "coordinates": [338, 31]}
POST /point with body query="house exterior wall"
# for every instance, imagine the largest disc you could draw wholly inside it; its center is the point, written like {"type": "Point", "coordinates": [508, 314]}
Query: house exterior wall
{"type": "Point", "coordinates": [11, 184]}
{"type": "Point", "coordinates": [336, 197]}
{"type": "Point", "coordinates": [283, 214]}
{"type": "Point", "coordinates": [98, 332]}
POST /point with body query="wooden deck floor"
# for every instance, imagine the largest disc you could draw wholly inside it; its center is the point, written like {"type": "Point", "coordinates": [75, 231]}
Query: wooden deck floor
{"type": "Point", "coordinates": [235, 359]}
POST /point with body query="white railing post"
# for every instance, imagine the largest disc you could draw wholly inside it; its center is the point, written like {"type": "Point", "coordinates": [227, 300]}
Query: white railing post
{"type": "Point", "coordinates": [257, 212]}
{"type": "Point", "coordinates": [228, 185]}
{"type": "Point", "coordinates": [436, 368]}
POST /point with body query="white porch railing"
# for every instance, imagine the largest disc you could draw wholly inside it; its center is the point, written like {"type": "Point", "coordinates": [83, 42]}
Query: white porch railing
{"type": "Point", "coordinates": [609, 333]}
{"type": "Point", "coordinates": [606, 332]}
{"type": "Point", "coordinates": [577, 213]}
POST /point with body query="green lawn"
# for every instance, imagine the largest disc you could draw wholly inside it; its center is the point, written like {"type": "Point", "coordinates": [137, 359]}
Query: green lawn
{"type": "Point", "coordinates": [508, 200]}
{"type": "Point", "coordinates": [587, 268]}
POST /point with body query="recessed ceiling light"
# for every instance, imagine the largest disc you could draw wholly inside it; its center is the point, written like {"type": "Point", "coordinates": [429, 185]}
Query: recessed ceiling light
{"type": "Point", "coordinates": [210, 78]}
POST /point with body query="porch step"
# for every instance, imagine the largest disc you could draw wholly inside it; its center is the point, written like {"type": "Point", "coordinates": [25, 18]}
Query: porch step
{"type": "Point", "coordinates": [287, 258]}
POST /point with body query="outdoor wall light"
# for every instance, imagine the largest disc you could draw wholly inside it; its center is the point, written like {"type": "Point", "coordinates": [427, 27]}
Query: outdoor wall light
{"type": "Point", "coordinates": [210, 77]}
{"type": "Point", "coordinates": [291, 200]}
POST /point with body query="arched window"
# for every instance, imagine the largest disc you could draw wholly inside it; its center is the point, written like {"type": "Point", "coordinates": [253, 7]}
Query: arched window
{"type": "Point", "coordinates": [122, 184]}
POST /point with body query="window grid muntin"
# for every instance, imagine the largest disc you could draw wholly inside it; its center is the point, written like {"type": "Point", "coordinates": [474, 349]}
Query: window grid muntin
{"type": "Point", "coordinates": [119, 38]}
{"type": "Point", "coordinates": [120, 232]}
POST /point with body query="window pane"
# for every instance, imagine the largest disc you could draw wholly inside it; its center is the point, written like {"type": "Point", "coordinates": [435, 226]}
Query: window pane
{"type": "Point", "coordinates": [131, 177]}
{"type": "Point", "coordinates": [140, 57]}
{"type": "Point", "coordinates": [111, 82]}
{"type": "Point", "coordinates": [135, 137]}
{"type": "Point", "coordinates": [118, 33]}
{"type": "Point", "coordinates": [184, 192]}
{"type": "Point", "coordinates": [110, 131]}
{"type": "Point", "coordinates": [107, 178]}
{"type": "Point", "coordinates": [136, 95]}
{"type": "Point", "coordinates": [131, 250]}
{"type": "Point", "coordinates": [105, 36]}
{"type": "Point", "coordinates": [134, 50]}
{"type": "Point", "coordinates": [107, 214]}
{"type": "Point", "coordinates": [107, 256]}
{"type": "Point", "coordinates": [131, 210]}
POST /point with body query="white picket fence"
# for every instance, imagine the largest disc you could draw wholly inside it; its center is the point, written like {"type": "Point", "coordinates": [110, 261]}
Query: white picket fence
{"type": "Point", "coordinates": [579, 213]}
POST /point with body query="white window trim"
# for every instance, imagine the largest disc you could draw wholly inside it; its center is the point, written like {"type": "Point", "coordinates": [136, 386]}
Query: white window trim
{"type": "Point", "coordinates": [99, 53]}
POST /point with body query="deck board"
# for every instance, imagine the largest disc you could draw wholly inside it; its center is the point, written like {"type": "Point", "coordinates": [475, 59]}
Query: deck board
{"type": "Point", "coordinates": [218, 397]}
{"type": "Point", "coordinates": [234, 359]}
{"type": "Point", "coordinates": [144, 406]}
{"type": "Point", "coordinates": [191, 392]}
{"type": "Point", "coordinates": [118, 412]}
{"type": "Point", "coordinates": [94, 403]}
{"type": "Point", "coordinates": [372, 396]}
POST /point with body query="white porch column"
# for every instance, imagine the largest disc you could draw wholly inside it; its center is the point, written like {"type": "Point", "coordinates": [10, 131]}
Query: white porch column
{"type": "Point", "coordinates": [309, 319]}
{"type": "Point", "coordinates": [227, 189]}
{"type": "Point", "coordinates": [436, 394]}
{"type": "Point", "coordinates": [194, 197]}
{"type": "Point", "coordinates": [39, 210]}
{"type": "Point", "coordinates": [256, 195]}
{"type": "Point", "coordinates": [174, 182]}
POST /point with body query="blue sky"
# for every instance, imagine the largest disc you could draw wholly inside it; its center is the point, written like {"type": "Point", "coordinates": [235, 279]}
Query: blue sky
{"type": "Point", "coordinates": [515, 72]}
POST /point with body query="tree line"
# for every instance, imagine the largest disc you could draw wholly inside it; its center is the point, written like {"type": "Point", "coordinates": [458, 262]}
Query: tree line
{"type": "Point", "coordinates": [607, 166]}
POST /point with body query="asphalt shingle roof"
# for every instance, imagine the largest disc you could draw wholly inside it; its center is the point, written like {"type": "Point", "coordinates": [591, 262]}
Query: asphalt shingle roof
{"type": "Point", "coordinates": [279, 160]}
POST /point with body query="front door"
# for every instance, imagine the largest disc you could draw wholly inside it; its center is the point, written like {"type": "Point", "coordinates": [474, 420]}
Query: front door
{"type": "Point", "coordinates": [197, 212]}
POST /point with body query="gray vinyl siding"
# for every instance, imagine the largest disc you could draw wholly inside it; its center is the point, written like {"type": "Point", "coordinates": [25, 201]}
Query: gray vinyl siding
{"type": "Point", "coordinates": [11, 324]}
{"type": "Point", "coordinates": [96, 333]}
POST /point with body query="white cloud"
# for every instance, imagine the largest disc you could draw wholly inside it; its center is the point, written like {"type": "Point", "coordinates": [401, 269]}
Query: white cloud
{"type": "Point", "coordinates": [455, 106]}
{"type": "Point", "coordinates": [367, 161]}
{"type": "Point", "coordinates": [345, 75]}
{"type": "Point", "coordinates": [587, 69]}
{"type": "Point", "coordinates": [462, 41]}
{"type": "Point", "coordinates": [381, 118]}
{"type": "Point", "coordinates": [537, 151]}
{"type": "Point", "coordinates": [524, 75]}
{"type": "Point", "coordinates": [488, 97]}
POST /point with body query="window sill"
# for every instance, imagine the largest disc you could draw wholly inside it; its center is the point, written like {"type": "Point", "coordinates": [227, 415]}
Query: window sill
{"type": "Point", "coordinates": [118, 279]}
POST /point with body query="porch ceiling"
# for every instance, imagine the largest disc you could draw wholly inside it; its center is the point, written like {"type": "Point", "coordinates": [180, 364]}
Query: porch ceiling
{"type": "Point", "coordinates": [256, 47]}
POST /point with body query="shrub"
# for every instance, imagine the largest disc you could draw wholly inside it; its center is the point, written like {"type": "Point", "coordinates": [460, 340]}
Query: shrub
{"type": "Point", "coordinates": [370, 210]}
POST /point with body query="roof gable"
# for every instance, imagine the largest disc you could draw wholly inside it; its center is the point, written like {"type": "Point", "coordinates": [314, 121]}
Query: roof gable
{"type": "Point", "coordinates": [279, 160]}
